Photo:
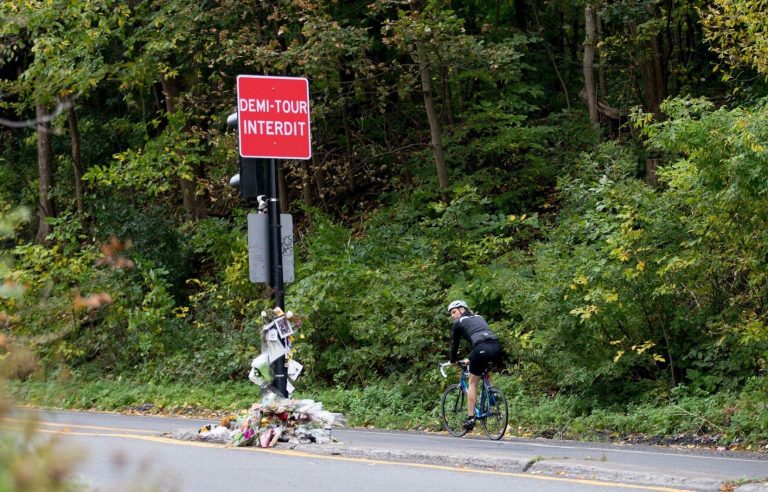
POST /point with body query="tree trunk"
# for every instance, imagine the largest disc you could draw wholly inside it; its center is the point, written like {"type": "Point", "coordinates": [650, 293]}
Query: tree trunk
{"type": "Point", "coordinates": [306, 182]}
{"type": "Point", "coordinates": [520, 14]}
{"type": "Point", "coordinates": [172, 92]}
{"type": "Point", "coordinates": [651, 175]}
{"type": "Point", "coordinates": [496, 17]}
{"type": "Point", "coordinates": [77, 168]}
{"type": "Point", "coordinates": [282, 189]}
{"type": "Point", "coordinates": [652, 75]}
{"type": "Point", "coordinates": [659, 80]}
{"type": "Point", "coordinates": [600, 67]}
{"type": "Point", "coordinates": [446, 96]}
{"type": "Point", "coordinates": [575, 25]}
{"type": "Point", "coordinates": [46, 207]}
{"type": "Point", "coordinates": [553, 60]}
{"type": "Point", "coordinates": [653, 79]}
{"type": "Point", "coordinates": [192, 204]}
{"type": "Point", "coordinates": [346, 93]}
{"type": "Point", "coordinates": [319, 175]}
{"type": "Point", "coordinates": [351, 181]}
{"type": "Point", "coordinates": [588, 63]}
{"type": "Point", "coordinates": [434, 124]}
{"type": "Point", "coordinates": [562, 37]}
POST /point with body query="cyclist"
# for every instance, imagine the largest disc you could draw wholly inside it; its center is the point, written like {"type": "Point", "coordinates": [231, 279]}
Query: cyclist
{"type": "Point", "coordinates": [485, 345]}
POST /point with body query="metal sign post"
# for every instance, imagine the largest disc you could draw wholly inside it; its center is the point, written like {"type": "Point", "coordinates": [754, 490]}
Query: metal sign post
{"type": "Point", "coordinates": [276, 274]}
{"type": "Point", "coordinates": [273, 123]}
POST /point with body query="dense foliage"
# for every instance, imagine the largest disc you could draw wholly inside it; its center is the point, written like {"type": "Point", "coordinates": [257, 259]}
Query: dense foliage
{"type": "Point", "coordinates": [572, 169]}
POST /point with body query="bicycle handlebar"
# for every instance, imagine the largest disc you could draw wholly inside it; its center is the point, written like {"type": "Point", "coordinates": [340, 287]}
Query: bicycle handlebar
{"type": "Point", "coordinates": [446, 364]}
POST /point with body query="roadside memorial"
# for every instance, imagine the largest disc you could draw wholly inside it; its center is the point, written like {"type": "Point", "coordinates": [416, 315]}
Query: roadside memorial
{"type": "Point", "coordinates": [276, 348]}
{"type": "Point", "coordinates": [274, 419]}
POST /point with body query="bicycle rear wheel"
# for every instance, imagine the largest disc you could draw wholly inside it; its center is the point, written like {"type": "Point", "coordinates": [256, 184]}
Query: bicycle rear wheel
{"type": "Point", "coordinates": [497, 415]}
{"type": "Point", "coordinates": [453, 409]}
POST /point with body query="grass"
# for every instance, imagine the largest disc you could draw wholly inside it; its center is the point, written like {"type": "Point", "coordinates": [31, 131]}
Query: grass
{"type": "Point", "coordinates": [725, 419]}
{"type": "Point", "coordinates": [124, 395]}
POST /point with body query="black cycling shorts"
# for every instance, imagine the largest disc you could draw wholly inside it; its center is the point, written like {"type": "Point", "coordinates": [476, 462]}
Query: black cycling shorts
{"type": "Point", "coordinates": [483, 355]}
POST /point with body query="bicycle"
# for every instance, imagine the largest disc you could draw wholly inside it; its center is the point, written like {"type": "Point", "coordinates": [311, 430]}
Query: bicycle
{"type": "Point", "coordinates": [491, 409]}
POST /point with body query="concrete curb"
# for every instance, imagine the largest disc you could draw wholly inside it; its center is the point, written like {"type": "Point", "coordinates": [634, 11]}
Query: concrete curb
{"type": "Point", "coordinates": [617, 473]}
{"type": "Point", "coordinates": [753, 487]}
{"type": "Point", "coordinates": [562, 468]}
{"type": "Point", "coordinates": [460, 460]}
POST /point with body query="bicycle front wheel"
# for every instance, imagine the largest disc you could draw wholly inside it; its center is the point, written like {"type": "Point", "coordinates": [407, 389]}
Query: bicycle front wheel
{"type": "Point", "coordinates": [453, 409]}
{"type": "Point", "coordinates": [497, 415]}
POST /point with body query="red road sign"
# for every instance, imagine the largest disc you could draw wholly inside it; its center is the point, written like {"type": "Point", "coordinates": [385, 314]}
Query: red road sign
{"type": "Point", "coordinates": [273, 117]}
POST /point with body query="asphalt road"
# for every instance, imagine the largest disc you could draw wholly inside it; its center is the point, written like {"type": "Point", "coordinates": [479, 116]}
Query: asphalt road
{"type": "Point", "coordinates": [127, 452]}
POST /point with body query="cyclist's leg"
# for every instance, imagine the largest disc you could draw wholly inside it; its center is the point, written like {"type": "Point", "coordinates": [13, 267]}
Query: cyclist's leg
{"type": "Point", "coordinates": [478, 363]}
{"type": "Point", "coordinates": [469, 424]}
{"type": "Point", "coordinates": [472, 394]}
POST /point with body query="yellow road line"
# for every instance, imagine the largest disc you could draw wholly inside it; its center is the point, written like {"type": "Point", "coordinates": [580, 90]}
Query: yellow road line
{"type": "Point", "coordinates": [369, 461]}
{"type": "Point", "coordinates": [75, 426]}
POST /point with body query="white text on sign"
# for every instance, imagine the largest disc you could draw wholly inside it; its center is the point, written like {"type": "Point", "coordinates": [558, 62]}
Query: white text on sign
{"type": "Point", "coordinates": [275, 128]}
{"type": "Point", "coordinates": [274, 106]}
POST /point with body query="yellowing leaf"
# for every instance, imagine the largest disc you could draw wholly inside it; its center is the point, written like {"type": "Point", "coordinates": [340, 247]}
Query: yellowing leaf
{"type": "Point", "coordinates": [624, 255]}
{"type": "Point", "coordinates": [585, 313]}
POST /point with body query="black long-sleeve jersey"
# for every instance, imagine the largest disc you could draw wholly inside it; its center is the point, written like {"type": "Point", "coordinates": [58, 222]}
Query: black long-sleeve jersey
{"type": "Point", "coordinates": [472, 328]}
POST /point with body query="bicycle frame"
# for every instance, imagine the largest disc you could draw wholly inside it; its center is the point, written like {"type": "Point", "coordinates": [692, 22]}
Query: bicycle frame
{"type": "Point", "coordinates": [491, 408]}
{"type": "Point", "coordinates": [485, 393]}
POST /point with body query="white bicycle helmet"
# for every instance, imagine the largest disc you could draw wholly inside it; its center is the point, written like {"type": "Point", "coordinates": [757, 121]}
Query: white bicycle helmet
{"type": "Point", "coordinates": [457, 304]}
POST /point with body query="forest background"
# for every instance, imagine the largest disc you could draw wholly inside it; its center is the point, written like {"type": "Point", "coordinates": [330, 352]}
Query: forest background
{"type": "Point", "coordinates": [589, 176]}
